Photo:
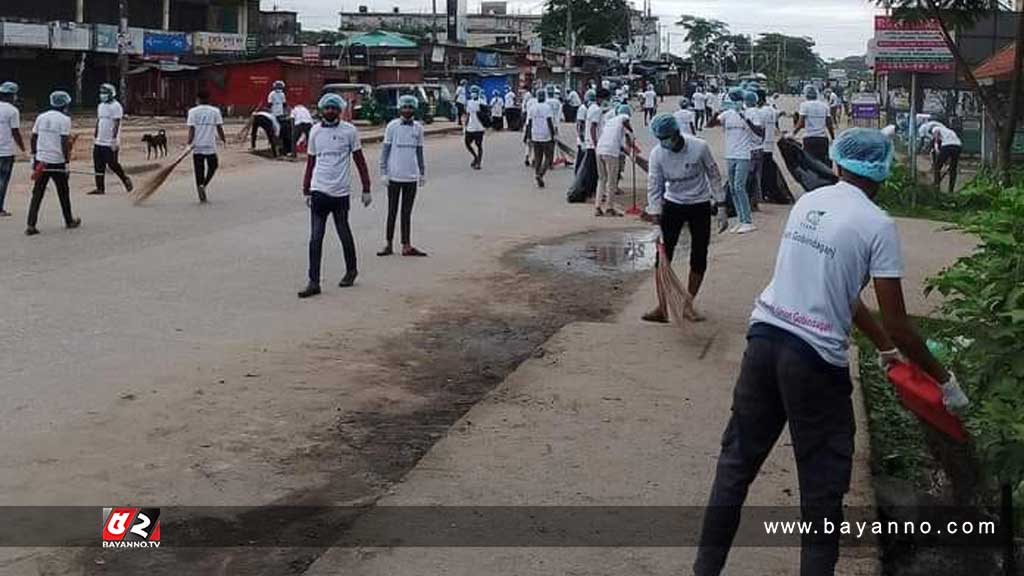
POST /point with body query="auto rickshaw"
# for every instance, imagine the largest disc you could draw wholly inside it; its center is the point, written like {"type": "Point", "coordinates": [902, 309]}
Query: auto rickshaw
{"type": "Point", "coordinates": [359, 98]}
{"type": "Point", "coordinates": [441, 101]}
{"type": "Point", "coordinates": [386, 98]}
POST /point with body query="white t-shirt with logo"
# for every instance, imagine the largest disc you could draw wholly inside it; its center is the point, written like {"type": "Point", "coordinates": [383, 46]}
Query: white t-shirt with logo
{"type": "Point", "coordinates": [739, 138]}
{"type": "Point", "coordinates": [574, 98]}
{"type": "Point", "coordinates": [556, 111]}
{"type": "Point", "coordinates": [497, 106]}
{"type": "Point", "coordinates": [49, 128]}
{"type": "Point", "coordinates": [649, 98]}
{"type": "Point", "coordinates": [460, 95]}
{"type": "Point", "coordinates": [10, 120]}
{"type": "Point", "coordinates": [769, 119]}
{"type": "Point", "coordinates": [949, 137]}
{"type": "Point", "coordinates": [835, 241]}
{"type": "Point", "coordinates": [276, 99]}
{"type": "Point", "coordinates": [538, 115]}
{"type": "Point", "coordinates": [107, 114]}
{"type": "Point", "coordinates": [686, 119]}
{"type": "Point", "coordinates": [204, 119]}
{"type": "Point", "coordinates": [333, 147]}
{"type": "Point", "coordinates": [510, 99]}
{"type": "Point", "coordinates": [593, 118]}
{"type": "Point", "coordinates": [301, 115]}
{"type": "Point", "coordinates": [613, 136]}
{"type": "Point", "coordinates": [699, 100]}
{"type": "Point", "coordinates": [815, 114]}
{"type": "Point", "coordinates": [405, 139]}
{"type": "Point", "coordinates": [473, 123]}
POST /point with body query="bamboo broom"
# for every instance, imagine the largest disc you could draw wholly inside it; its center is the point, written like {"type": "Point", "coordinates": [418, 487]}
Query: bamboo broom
{"type": "Point", "coordinates": [153, 184]}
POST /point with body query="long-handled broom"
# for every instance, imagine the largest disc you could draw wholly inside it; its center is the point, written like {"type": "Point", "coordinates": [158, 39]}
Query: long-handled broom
{"type": "Point", "coordinates": [150, 187]}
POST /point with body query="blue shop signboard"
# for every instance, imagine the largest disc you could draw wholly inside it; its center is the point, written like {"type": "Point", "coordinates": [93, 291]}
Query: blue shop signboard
{"type": "Point", "coordinates": [166, 43]}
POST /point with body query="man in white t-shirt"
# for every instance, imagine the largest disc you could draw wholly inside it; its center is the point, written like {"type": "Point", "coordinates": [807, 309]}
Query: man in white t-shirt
{"type": "Point", "coordinates": [540, 132]}
{"type": "Point", "coordinates": [815, 119]}
{"type": "Point", "coordinates": [835, 105]}
{"type": "Point", "coordinates": [741, 127]}
{"type": "Point", "coordinates": [947, 146]}
{"type": "Point", "coordinates": [205, 126]}
{"type": "Point", "coordinates": [497, 111]}
{"type": "Point", "coordinates": [769, 175]}
{"type": "Point", "coordinates": [795, 368]}
{"type": "Point", "coordinates": [686, 118]}
{"type": "Point", "coordinates": [333, 147]}
{"type": "Point", "coordinates": [10, 136]}
{"type": "Point", "coordinates": [513, 115]}
{"type": "Point", "coordinates": [650, 103]}
{"type": "Point", "coordinates": [572, 105]}
{"type": "Point", "coordinates": [401, 169]}
{"type": "Point", "coordinates": [474, 130]}
{"type": "Point", "coordinates": [107, 140]}
{"type": "Point", "coordinates": [277, 100]}
{"type": "Point", "coordinates": [461, 97]}
{"type": "Point", "coordinates": [302, 122]}
{"type": "Point", "coordinates": [700, 105]}
{"type": "Point", "coordinates": [751, 103]}
{"type": "Point", "coordinates": [51, 151]}
{"type": "Point", "coordinates": [615, 135]}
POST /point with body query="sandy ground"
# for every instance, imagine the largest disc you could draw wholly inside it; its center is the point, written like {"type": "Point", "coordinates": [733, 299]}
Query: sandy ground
{"type": "Point", "coordinates": [158, 354]}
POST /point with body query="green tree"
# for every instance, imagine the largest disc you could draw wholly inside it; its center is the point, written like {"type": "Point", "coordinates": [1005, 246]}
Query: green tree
{"type": "Point", "coordinates": [780, 56]}
{"type": "Point", "coordinates": [704, 37]}
{"type": "Point", "coordinates": [594, 22]}
{"type": "Point", "coordinates": [1002, 110]}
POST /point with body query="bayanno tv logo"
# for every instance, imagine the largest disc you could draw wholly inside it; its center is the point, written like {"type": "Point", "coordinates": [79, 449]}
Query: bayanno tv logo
{"type": "Point", "coordinates": [131, 527]}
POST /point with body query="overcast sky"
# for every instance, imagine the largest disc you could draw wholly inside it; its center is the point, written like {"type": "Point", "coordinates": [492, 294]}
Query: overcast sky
{"type": "Point", "coordinates": [839, 27]}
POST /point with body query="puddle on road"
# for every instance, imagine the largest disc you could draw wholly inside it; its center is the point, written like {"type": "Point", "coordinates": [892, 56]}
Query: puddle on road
{"type": "Point", "coordinates": [598, 253]}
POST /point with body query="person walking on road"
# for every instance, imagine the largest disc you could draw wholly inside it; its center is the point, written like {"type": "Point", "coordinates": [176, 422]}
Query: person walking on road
{"type": "Point", "coordinates": [461, 97]}
{"type": "Point", "coordinates": [10, 136]}
{"type": "Point", "coordinates": [512, 112]}
{"type": "Point", "coordinates": [740, 127]}
{"type": "Point", "coordinates": [700, 101]}
{"type": "Point", "coordinates": [795, 368]}
{"type": "Point", "coordinates": [815, 119]}
{"type": "Point", "coordinates": [572, 105]}
{"type": "Point", "coordinates": [277, 101]}
{"type": "Point", "coordinates": [686, 118]}
{"type": "Point", "coordinates": [107, 140]}
{"type": "Point", "coordinates": [540, 131]}
{"type": "Point", "coordinates": [51, 153]}
{"type": "Point", "coordinates": [684, 188]}
{"type": "Point", "coordinates": [615, 135]}
{"type": "Point", "coordinates": [948, 147]}
{"type": "Point", "coordinates": [401, 169]}
{"type": "Point", "coordinates": [205, 127]}
{"type": "Point", "coordinates": [769, 170]}
{"type": "Point", "coordinates": [333, 147]}
{"type": "Point", "coordinates": [650, 98]}
{"type": "Point", "coordinates": [497, 111]}
{"type": "Point", "coordinates": [751, 106]}
{"type": "Point", "coordinates": [474, 127]}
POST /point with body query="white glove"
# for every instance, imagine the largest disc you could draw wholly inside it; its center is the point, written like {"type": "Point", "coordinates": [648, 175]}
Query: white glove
{"type": "Point", "coordinates": [384, 180]}
{"type": "Point", "coordinates": [367, 199]}
{"type": "Point", "coordinates": [887, 358]}
{"type": "Point", "coordinates": [423, 181]}
{"type": "Point", "coordinates": [953, 398]}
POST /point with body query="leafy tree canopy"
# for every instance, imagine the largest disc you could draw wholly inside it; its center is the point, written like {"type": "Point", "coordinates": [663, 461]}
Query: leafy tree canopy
{"type": "Point", "coordinates": [596, 22]}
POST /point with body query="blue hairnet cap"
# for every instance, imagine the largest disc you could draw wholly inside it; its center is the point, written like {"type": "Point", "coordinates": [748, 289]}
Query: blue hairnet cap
{"type": "Point", "coordinates": [408, 100]}
{"type": "Point", "coordinates": [474, 90]}
{"type": "Point", "coordinates": [8, 88]}
{"type": "Point", "coordinates": [60, 99]}
{"type": "Point", "coordinates": [736, 94]}
{"type": "Point", "coordinates": [331, 100]}
{"type": "Point", "coordinates": [810, 92]}
{"type": "Point", "coordinates": [664, 126]}
{"type": "Point", "coordinates": [541, 95]}
{"type": "Point", "coordinates": [750, 98]}
{"type": "Point", "coordinates": [684, 102]}
{"type": "Point", "coordinates": [865, 152]}
{"type": "Point", "coordinates": [624, 109]}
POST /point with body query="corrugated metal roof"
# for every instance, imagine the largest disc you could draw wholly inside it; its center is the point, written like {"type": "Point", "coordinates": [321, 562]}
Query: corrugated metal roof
{"type": "Point", "coordinates": [998, 65]}
{"type": "Point", "coordinates": [380, 38]}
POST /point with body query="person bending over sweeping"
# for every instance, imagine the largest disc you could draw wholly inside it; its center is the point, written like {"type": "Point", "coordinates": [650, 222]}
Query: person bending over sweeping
{"type": "Point", "coordinates": [51, 153]}
{"type": "Point", "coordinates": [795, 369]}
{"type": "Point", "coordinates": [205, 125]}
{"type": "Point", "coordinates": [107, 140]}
{"type": "Point", "coordinates": [332, 144]}
{"type": "Point", "coordinates": [401, 167]}
{"type": "Point", "coordinates": [684, 187]}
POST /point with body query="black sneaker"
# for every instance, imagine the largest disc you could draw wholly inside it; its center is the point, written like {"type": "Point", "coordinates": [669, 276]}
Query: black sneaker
{"type": "Point", "coordinates": [540, 182]}
{"type": "Point", "coordinates": [348, 280]}
{"type": "Point", "coordinates": [73, 224]}
{"type": "Point", "coordinates": [95, 193]}
{"type": "Point", "coordinates": [31, 231]}
{"type": "Point", "coordinates": [128, 186]}
{"type": "Point", "coordinates": [202, 194]}
{"type": "Point", "coordinates": [309, 291]}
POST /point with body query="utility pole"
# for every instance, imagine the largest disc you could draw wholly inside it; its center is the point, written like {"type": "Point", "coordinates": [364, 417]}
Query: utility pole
{"type": "Point", "coordinates": [433, 25]}
{"type": "Point", "coordinates": [122, 49]}
{"type": "Point", "coordinates": [570, 41]}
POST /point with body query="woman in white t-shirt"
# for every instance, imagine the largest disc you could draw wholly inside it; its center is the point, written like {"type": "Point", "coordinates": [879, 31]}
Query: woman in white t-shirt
{"type": "Point", "coordinates": [741, 126]}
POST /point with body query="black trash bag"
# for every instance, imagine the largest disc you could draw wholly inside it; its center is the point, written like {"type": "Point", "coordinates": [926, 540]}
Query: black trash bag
{"type": "Point", "coordinates": [810, 173]}
{"type": "Point", "coordinates": [584, 186]}
{"type": "Point", "coordinates": [774, 188]}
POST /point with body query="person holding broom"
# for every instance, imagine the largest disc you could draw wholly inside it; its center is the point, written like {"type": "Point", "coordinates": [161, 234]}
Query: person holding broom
{"type": "Point", "coordinates": [51, 153]}
{"type": "Point", "coordinates": [333, 146]}
{"type": "Point", "coordinates": [205, 126]}
{"type": "Point", "coordinates": [684, 187]}
{"type": "Point", "coordinates": [10, 136]}
{"type": "Point", "coordinates": [107, 140]}
{"type": "Point", "coordinates": [795, 368]}
{"type": "Point", "coordinates": [401, 168]}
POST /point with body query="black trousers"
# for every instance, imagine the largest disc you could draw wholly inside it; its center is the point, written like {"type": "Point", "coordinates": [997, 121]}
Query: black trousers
{"type": "Point", "coordinates": [264, 123]}
{"type": "Point", "coordinates": [543, 156]}
{"type": "Point", "coordinates": [321, 207]}
{"type": "Point", "coordinates": [55, 172]}
{"type": "Point", "coordinates": [783, 380]}
{"type": "Point", "coordinates": [478, 139]}
{"type": "Point", "coordinates": [950, 154]}
{"type": "Point", "coordinates": [205, 166]}
{"type": "Point", "coordinates": [102, 157]}
{"type": "Point", "coordinates": [817, 147]}
{"type": "Point", "coordinates": [400, 194]}
{"type": "Point", "coordinates": [570, 113]}
{"type": "Point", "coordinates": [301, 130]}
{"type": "Point", "coordinates": [513, 117]}
{"type": "Point", "coordinates": [699, 118]}
{"type": "Point", "coordinates": [696, 217]}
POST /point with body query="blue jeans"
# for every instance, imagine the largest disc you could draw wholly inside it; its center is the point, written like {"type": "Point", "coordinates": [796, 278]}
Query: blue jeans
{"type": "Point", "coordinates": [6, 169]}
{"type": "Point", "coordinates": [739, 170]}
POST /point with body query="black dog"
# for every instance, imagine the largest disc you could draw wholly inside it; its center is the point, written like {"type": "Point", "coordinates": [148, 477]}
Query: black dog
{"type": "Point", "coordinates": [156, 144]}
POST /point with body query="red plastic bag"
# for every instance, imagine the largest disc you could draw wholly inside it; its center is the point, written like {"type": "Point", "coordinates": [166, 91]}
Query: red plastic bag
{"type": "Point", "coordinates": [921, 394]}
